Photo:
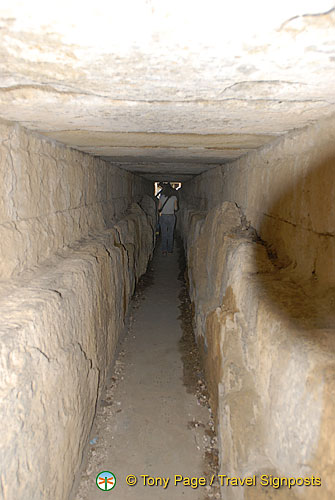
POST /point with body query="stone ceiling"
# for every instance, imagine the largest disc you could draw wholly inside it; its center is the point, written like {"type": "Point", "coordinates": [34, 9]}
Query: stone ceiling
{"type": "Point", "coordinates": [171, 88]}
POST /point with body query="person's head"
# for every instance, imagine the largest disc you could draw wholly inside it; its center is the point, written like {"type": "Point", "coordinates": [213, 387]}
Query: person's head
{"type": "Point", "coordinates": [168, 189]}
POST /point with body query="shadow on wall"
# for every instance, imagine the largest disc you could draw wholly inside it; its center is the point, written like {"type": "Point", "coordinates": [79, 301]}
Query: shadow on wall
{"type": "Point", "coordinates": [266, 326]}
{"type": "Point", "coordinates": [276, 382]}
{"type": "Point", "coordinates": [299, 233]}
{"type": "Point", "coordinates": [296, 327]}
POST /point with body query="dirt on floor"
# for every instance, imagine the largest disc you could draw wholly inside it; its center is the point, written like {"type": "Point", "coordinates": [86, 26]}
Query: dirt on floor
{"type": "Point", "coordinates": [120, 414]}
{"type": "Point", "coordinates": [193, 376]}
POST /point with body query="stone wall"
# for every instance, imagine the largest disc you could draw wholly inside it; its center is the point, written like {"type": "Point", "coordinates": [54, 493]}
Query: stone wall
{"type": "Point", "coordinates": [260, 243]}
{"type": "Point", "coordinates": [73, 244]}
{"type": "Point", "coordinates": [51, 196]}
{"type": "Point", "coordinates": [285, 190]}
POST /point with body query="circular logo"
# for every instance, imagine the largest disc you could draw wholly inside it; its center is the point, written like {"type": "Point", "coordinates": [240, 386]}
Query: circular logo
{"type": "Point", "coordinates": [105, 480]}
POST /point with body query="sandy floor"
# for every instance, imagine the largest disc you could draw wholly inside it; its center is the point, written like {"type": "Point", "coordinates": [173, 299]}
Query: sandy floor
{"type": "Point", "coordinates": [149, 422]}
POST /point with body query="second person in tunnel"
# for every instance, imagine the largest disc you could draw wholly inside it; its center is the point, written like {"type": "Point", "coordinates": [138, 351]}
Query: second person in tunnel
{"type": "Point", "coordinates": [168, 204]}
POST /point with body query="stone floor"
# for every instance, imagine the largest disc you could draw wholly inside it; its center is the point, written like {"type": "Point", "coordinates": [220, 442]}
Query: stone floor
{"type": "Point", "coordinates": [148, 423]}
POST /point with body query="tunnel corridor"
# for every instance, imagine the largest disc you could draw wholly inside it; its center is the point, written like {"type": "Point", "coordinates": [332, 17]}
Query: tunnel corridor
{"type": "Point", "coordinates": [235, 104]}
{"type": "Point", "coordinates": [150, 416]}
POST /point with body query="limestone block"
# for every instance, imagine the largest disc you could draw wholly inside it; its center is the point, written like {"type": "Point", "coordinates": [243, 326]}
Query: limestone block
{"type": "Point", "coordinates": [59, 329]}
{"type": "Point", "coordinates": [52, 196]}
{"type": "Point", "coordinates": [148, 204]}
{"type": "Point", "coordinates": [66, 281]}
{"type": "Point", "coordinates": [285, 190]}
{"type": "Point", "coordinates": [266, 337]}
{"type": "Point", "coordinates": [135, 239]}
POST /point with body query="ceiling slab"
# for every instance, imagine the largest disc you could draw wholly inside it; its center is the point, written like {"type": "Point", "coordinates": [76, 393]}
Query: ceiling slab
{"type": "Point", "coordinates": [159, 140]}
{"type": "Point", "coordinates": [154, 86]}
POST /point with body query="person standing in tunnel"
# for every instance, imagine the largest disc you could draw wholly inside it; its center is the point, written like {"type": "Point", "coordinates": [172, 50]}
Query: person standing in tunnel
{"type": "Point", "coordinates": [166, 207]}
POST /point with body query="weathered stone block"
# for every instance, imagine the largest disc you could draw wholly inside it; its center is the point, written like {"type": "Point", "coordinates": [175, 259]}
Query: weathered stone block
{"type": "Point", "coordinates": [67, 276]}
{"type": "Point", "coordinates": [260, 264]}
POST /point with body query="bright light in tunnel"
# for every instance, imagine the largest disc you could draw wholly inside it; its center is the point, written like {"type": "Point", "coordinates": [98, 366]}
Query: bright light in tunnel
{"type": "Point", "coordinates": [158, 186]}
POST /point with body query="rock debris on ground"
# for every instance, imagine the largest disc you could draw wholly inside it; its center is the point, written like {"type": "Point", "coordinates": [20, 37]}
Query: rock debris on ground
{"type": "Point", "coordinates": [154, 417]}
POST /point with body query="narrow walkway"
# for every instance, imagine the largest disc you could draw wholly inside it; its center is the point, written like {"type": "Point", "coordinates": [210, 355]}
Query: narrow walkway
{"type": "Point", "coordinates": [148, 423]}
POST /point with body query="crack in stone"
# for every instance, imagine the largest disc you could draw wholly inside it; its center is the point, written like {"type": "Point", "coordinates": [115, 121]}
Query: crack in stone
{"type": "Point", "coordinates": [121, 245]}
{"type": "Point", "coordinates": [11, 193]}
{"type": "Point", "coordinates": [86, 357]}
{"type": "Point", "coordinates": [327, 235]}
{"type": "Point", "coordinates": [48, 88]}
{"type": "Point", "coordinates": [246, 82]}
{"type": "Point", "coordinates": [56, 291]}
{"type": "Point", "coordinates": [47, 214]}
{"type": "Point", "coordinates": [40, 351]}
{"type": "Point", "coordinates": [319, 14]}
{"type": "Point", "coordinates": [108, 252]}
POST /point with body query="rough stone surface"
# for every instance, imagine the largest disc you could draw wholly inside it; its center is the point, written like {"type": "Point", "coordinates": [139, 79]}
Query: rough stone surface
{"type": "Point", "coordinates": [168, 89]}
{"type": "Point", "coordinates": [72, 248]}
{"type": "Point", "coordinates": [263, 295]}
{"type": "Point", "coordinates": [52, 196]}
{"type": "Point", "coordinates": [285, 191]}
{"type": "Point", "coordinates": [150, 421]}
{"type": "Point", "coordinates": [225, 77]}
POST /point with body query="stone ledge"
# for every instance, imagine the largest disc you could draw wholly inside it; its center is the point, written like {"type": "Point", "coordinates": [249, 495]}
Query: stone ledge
{"type": "Point", "coordinates": [268, 350]}
{"type": "Point", "coordinates": [59, 331]}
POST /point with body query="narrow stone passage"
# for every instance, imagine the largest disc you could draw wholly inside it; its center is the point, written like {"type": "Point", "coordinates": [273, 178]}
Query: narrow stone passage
{"type": "Point", "coordinates": [148, 423]}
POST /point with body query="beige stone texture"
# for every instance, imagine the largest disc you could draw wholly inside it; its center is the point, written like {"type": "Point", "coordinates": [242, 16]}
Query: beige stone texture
{"type": "Point", "coordinates": [285, 191]}
{"type": "Point", "coordinates": [155, 86]}
{"type": "Point", "coordinates": [241, 93]}
{"type": "Point", "coordinates": [260, 246]}
{"type": "Point", "coordinates": [52, 196]}
{"type": "Point", "coordinates": [73, 244]}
